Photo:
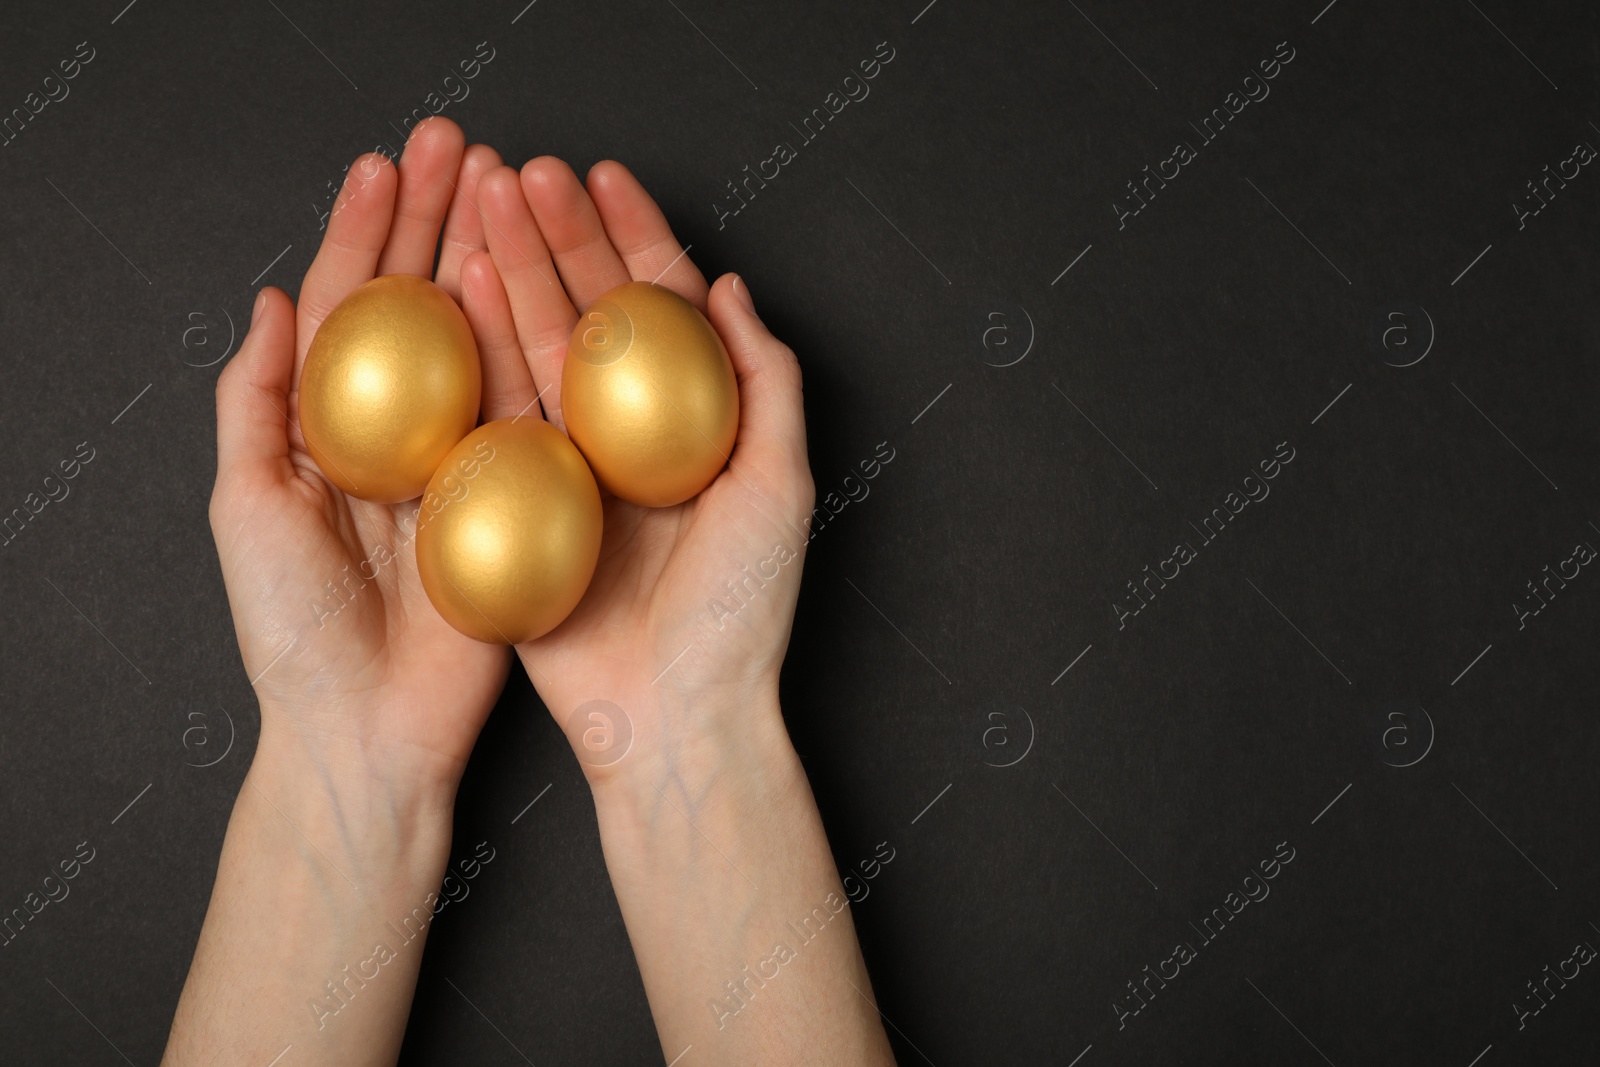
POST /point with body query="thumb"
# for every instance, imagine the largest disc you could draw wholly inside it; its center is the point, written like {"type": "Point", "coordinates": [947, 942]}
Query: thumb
{"type": "Point", "coordinates": [771, 414]}
{"type": "Point", "coordinates": [253, 401]}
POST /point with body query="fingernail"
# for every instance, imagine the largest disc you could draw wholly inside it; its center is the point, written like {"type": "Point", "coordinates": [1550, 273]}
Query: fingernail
{"type": "Point", "coordinates": [261, 302]}
{"type": "Point", "coordinates": [742, 291]}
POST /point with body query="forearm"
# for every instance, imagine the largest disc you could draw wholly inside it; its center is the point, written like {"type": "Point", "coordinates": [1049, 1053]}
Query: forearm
{"type": "Point", "coordinates": [322, 901]}
{"type": "Point", "coordinates": [740, 924]}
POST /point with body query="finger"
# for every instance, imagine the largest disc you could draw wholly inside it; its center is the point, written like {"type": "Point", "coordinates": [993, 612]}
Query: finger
{"type": "Point", "coordinates": [571, 226]}
{"type": "Point", "coordinates": [772, 425]}
{"type": "Point", "coordinates": [507, 386]}
{"type": "Point", "coordinates": [463, 226]}
{"type": "Point", "coordinates": [357, 229]}
{"type": "Point", "coordinates": [544, 315]}
{"type": "Point", "coordinates": [253, 401]}
{"type": "Point", "coordinates": [428, 168]}
{"type": "Point", "coordinates": [639, 232]}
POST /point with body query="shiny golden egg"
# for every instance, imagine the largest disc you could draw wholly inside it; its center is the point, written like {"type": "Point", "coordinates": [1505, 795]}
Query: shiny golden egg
{"type": "Point", "coordinates": [508, 532]}
{"type": "Point", "coordinates": [649, 396]}
{"type": "Point", "coordinates": [391, 382]}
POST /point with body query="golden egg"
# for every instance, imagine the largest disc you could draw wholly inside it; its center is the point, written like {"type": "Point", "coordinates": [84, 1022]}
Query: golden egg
{"type": "Point", "coordinates": [649, 395]}
{"type": "Point", "coordinates": [509, 531]}
{"type": "Point", "coordinates": [391, 382]}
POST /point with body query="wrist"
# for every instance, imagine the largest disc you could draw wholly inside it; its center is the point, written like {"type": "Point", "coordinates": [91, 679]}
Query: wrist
{"type": "Point", "coordinates": [373, 810]}
{"type": "Point", "coordinates": [345, 751]}
{"type": "Point", "coordinates": [705, 755]}
{"type": "Point", "coordinates": [327, 885]}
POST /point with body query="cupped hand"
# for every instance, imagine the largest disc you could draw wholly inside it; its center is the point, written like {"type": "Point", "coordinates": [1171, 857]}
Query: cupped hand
{"type": "Point", "coordinates": [686, 621]}
{"type": "Point", "coordinates": [346, 654]}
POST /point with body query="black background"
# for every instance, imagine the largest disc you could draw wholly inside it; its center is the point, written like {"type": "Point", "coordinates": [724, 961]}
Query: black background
{"type": "Point", "coordinates": [1378, 178]}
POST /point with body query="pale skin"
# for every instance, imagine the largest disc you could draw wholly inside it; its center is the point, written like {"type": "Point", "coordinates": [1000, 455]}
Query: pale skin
{"type": "Point", "coordinates": [368, 713]}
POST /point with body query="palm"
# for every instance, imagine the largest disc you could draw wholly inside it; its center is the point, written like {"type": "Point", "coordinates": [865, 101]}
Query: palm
{"type": "Point", "coordinates": [333, 623]}
{"type": "Point", "coordinates": [650, 606]}
{"type": "Point", "coordinates": [319, 615]}
{"type": "Point", "coordinates": [648, 623]}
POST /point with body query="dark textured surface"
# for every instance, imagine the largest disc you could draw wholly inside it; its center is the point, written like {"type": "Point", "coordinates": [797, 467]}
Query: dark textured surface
{"type": "Point", "coordinates": [1330, 631]}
